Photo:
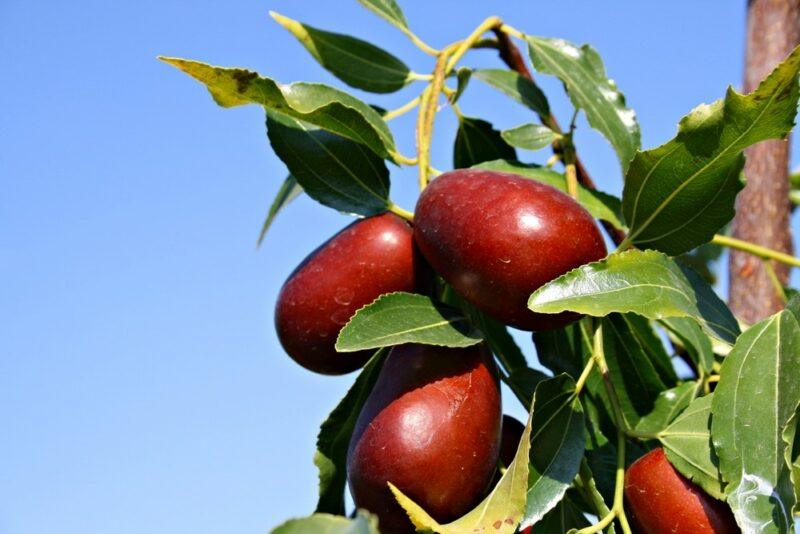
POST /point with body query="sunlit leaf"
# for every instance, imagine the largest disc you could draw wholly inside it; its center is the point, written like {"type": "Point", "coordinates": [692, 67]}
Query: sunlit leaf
{"type": "Point", "coordinates": [517, 87]}
{"type": "Point", "coordinates": [678, 195]}
{"type": "Point", "coordinates": [557, 446]}
{"type": "Point", "coordinates": [757, 395]}
{"type": "Point", "coordinates": [387, 10]}
{"type": "Point", "coordinates": [644, 282]}
{"type": "Point", "coordinates": [529, 136]}
{"type": "Point", "coordinates": [363, 523]}
{"type": "Point", "coordinates": [668, 405]}
{"type": "Point", "coordinates": [583, 74]}
{"type": "Point", "coordinates": [314, 103]}
{"type": "Point", "coordinates": [397, 318]}
{"type": "Point", "coordinates": [288, 191]}
{"type": "Point", "coordinates": [334, 437]}
{"type": "Point", "coordinates": [477, 141]}
{"type": "Point", "coordinates": [331, 169]}
{"type": "Point", "coordinates": [694, 340]}
{"type": "Point", "coordinates": [357, 63]}
{"type": "Point", "coordinates": [600, 205]}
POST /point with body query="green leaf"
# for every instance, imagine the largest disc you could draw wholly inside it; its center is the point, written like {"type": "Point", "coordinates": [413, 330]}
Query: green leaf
{"type": "Point", "coordinates": [587, 482]}
{"type": "Point", "coordinates": [557, 446]}
{"type": "Point", "coordinates": [523, 383]}
{"type": "Point", "coordinates": [564, 517]}
{"type": "Point", "coordinates": [668, 405]}
{"type": "Point", "coordinates": [529, 136]}
{"type": "Point", "coordinates": [463, 75]}
{"type": "Point", "coordinates": [288, 191]}
{"type": "Point", "coordinates": [518, 88]}
{"type": "Point", "coordinates": [697, 344]}
{"type": "Point", "coordinates": [600, 205]}
{"type": "Point", "coordinates": [498, 338]}
{"type": "Point", "coordinates": [584, 76]}
{"type": "Point", "coordinates": [644, 282]}
{"type": "Point", "coordinates": [334, 437]}
{"type": "Point", "coordinates": [387, 10]}
{"type": "Point", "coordinates": [396, 318]}
{"type": "Point", "coordinates": [687, 443]}
{"type": "Point", "coordinates": [703, 259]}
{"type": "Point", "coordinates": [635, 379]}
{"type": "Point", "coordinates": [333, 170]}
{"type": "Point", "coordinates": [314, 103]}
{"type": "Point", "coordinates": [647, 338]}
{"type": "Point", "coordinates": [476, 142]}
{"type": "Point", "coordinates": [499, 512]}
{"type": "Point", "coordinates": [357, 63]}
{"type": "Point", "coordinates": [757, 395]}
{"type": "Point", "coordinates": [678, 195]}
{"type": "Point", "coordinates": [794, 306]}
{"type": "Point", "coordinates": [364, 523]}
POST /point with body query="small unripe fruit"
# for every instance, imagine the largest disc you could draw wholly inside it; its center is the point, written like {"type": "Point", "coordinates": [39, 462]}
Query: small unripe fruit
{"type": "Point", "coordinates": [660, 500]}
{"type": "Point", "coordinates": [431, 427]}
{"type": "Point", "coordinates": [368, 258]}
{"type": "Point", "coordinates": [497, 237]}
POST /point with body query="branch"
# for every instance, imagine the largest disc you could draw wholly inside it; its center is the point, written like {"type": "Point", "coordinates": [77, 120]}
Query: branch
{"type": "Point", "coordinates": [512, 57]}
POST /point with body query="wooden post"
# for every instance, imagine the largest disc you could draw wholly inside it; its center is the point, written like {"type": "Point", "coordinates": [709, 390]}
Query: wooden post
{"type": "Point", "coordinates": [763, 209]}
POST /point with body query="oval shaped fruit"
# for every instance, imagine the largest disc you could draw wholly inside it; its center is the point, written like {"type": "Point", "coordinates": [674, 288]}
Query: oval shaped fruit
{"type": "Point", "coordinates": [660, 499]}
{"type": "Point", "coordinates": [497, 237]}
{"type": "Point", "coordinates": [368, 258]}
{"type": "Point", "coordinates": [431, 427]}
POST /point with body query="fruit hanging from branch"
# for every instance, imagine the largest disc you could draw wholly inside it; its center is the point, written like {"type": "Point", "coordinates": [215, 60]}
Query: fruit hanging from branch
{"type": "Point", "coordinates": [513, 241]}
{"type": "Point", "coordinates": [431, 427]}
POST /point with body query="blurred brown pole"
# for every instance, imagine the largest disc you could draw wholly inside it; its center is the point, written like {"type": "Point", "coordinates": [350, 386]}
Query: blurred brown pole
{"type": "Point", "coordinates": [763, 209]}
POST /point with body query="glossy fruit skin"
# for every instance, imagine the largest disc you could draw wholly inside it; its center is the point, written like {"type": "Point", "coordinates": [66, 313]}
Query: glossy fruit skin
{"type": "Point", "coordinates": [511, 434]}
{"type": "Point", "coordinates": [660, 500]}
{"type": "Point", "coordinates": [431, 426]}
{"type": "Point", "coordinates": [370, 257]}
{"type": "Point", "coordinates": [497, 237]}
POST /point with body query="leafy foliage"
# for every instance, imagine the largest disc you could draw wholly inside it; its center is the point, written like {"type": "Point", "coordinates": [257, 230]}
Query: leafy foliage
{"type": "Point", "coordinates": [314, 103]}
{"type": "Point", "coordinates": [757, 396]}
{"type": "Point", "coordinates": [644, 282]}
{"type": "Point", "coordinates": [331, 169]}
{"type": "Point", "coordinates": [357, 63]}
{"type": "Point", "coordinates": [397, 318]}
{"type": "Point", "coordinates": [477, 141]}
{"type": "Point", "coordinates": [584, 76]}
{"type": "Point", "coordinates": [732, 429]}
{"type": "Point", "coordinates": [678, 195]}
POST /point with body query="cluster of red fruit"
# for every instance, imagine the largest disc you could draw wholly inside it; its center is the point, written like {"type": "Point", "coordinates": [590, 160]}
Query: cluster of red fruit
{"type": "Point", "coordinates": [433, 424]}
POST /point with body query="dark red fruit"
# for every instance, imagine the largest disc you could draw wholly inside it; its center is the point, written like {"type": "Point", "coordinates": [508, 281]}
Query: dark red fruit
{"type": "Point", "coordinates": [431, 427]}
{"type": "Point", "coordinates": [497, 237]}
{"type": "Point", "coordinates": [660, 500]}
{"type": "Point", "coordinates": [512, 433]}
{"type": "Point", "coordinates": [368, 258]}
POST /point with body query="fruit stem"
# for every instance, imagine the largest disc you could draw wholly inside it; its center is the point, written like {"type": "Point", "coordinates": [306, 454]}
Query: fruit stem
{"type": "Point", "coordinates": [584, 376]}
{"type": "Point", "coordinates": [405, 108]}
{"type": "Point", "coordinates": [402, 160]}
{"type": "Point", "coordinates": [397, 210]}
{"type": "Point", "coordinates": [585, 481]}
{"type": "Point", "coordinates": [774, 279]}
{"type": "Point", "coordinates": [618, 507]}
{"type": "Point", "coordinates": [419, 42]}
{"type": "Point", "coordinates": [466, 44]}
{"type": "Point", "coordinates": [756, 250]}
{"type": "Point", "coordinates": [572, 181]}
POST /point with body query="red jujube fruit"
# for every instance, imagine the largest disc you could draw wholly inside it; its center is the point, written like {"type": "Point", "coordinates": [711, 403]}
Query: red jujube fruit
{"type": "Point", "coordinates": [368, 258]}
{"type": "Point", "coordinates": [660, 500]}
{"type": "Point", "coordinates": [431, 427]}
{"type": "Point", "coordinates": [497, 237]}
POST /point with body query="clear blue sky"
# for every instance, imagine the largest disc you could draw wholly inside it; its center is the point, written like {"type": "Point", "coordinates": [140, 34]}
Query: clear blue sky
{"type": "Point", "coordinates": [142, 388]}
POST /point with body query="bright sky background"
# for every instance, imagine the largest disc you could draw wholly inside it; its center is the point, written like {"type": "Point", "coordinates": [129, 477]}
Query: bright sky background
{"type": "Point", "coordinates": [142, 388]}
